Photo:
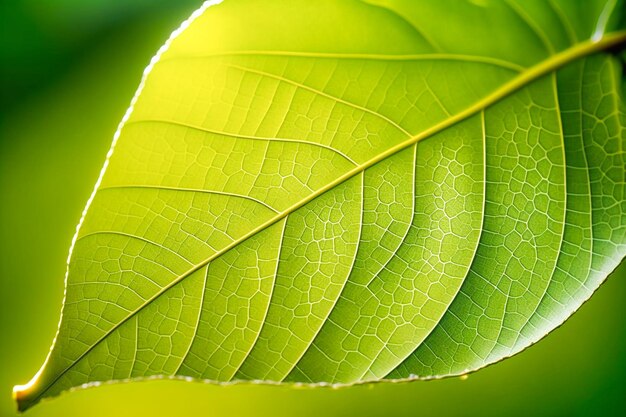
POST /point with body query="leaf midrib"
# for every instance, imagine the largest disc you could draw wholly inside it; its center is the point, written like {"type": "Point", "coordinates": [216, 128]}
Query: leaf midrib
{"type": "Point", "coordinates": [554, 62]}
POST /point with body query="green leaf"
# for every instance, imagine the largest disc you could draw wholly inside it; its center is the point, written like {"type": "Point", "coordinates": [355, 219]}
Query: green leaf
{"type": "Point", "coordinates": [345, 191]}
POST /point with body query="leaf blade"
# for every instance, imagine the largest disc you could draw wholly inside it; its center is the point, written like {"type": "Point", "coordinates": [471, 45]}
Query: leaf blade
{"type": "Point", "coordinates": [304, 187]}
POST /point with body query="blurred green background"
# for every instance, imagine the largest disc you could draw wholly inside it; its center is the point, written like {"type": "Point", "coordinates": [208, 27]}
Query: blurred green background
{"type": "Point", "coordinates": [69, 69]}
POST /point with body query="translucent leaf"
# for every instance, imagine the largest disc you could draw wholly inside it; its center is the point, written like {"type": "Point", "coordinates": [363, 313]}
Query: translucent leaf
{"type": "Point", "coordinates": [343, 191]}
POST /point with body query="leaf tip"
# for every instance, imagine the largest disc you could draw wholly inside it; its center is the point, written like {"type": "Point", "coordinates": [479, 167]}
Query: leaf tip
{"type": "Point", "coordinates": [20, 395]}
{"type": "Point", "coordinates": [25, 395]}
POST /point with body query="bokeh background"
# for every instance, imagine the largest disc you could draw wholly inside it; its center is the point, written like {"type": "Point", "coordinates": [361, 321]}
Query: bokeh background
{"type": "Point", "coordinates": [69, 69]}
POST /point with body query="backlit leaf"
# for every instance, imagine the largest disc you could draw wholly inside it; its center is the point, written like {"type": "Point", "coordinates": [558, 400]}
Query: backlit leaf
{"type": "Point", "coordinates": [351, 191]}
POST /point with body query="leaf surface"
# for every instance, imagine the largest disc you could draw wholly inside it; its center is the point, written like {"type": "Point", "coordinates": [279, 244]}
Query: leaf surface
{"type": "Point", "coordinates": [348, 191]}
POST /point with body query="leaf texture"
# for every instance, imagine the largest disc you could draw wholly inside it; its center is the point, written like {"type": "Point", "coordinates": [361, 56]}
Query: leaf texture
{"type": "Point", "coordinates": [351, 191]}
